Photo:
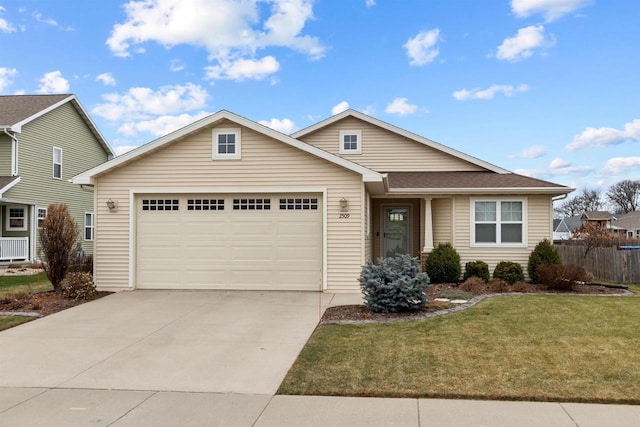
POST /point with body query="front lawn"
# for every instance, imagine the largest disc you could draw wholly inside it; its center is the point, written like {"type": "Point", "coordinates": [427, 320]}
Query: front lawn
{"type": "Point", "coordinates": [7, 322]}
{"type": "Point", "coordinates": [528, 347]}
{"type": "Point", "coordinates": [31, 283]}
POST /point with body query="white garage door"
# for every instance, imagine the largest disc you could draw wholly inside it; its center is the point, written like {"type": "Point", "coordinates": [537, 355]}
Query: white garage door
{"type": "Point", "coordinates": [245, 241]}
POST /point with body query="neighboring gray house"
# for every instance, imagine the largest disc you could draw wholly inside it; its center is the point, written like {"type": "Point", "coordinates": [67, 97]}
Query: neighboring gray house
{"type": "Point", "coordinates": [627, 225]}
{"type": "Point", "coordinates": [44, 141]}
{"type": "Point", "coordinates": [563, 228]}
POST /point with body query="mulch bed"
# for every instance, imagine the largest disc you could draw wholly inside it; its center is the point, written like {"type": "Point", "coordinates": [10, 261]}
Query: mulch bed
{"type": "Point", "coordinates": [360, 313]}
{"type": "Point", "coordinates": [43, 303]}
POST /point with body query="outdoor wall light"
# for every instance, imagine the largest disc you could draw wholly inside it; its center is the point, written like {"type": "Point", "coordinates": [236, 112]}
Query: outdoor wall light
{"type": "Point", "coordinates": [112, 205]}
{"type": "Point", "coordinates": [344, 205]}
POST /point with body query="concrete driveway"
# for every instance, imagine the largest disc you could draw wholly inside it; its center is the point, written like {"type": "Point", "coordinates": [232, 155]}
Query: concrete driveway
{"type": "Point", "coordinates": [198, 341]}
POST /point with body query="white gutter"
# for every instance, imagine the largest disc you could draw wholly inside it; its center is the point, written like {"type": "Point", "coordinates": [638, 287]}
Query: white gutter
{"type": "Point", "coordinates": [14, 150]}
{"type": "Point", "coordinates": [488, 190]}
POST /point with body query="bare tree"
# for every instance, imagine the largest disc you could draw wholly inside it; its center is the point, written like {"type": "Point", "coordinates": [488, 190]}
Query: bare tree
{"type": "Point", "coordinates": [588, 200]}
{"type": "Point", "coordinates": [625, 196]}
{"type": "Point", "coordinates": [58, 234]}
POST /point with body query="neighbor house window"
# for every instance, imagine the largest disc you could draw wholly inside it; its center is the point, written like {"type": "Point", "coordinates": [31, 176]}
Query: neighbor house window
{"type": "Point", "coordinates": [498, 222]}
{"type": "Point", "coordinates": [226, 144]}
{"type": "Point", "coordinates": [42, 214]}
{"type": "Point", "coordinates": [350, 142]}
{"type": "Point", "coordinates": [57, 163]}
{"type": "Point", "coordinates": [88, 226]}
{"type": "Point", "coordinates": [16, 219]}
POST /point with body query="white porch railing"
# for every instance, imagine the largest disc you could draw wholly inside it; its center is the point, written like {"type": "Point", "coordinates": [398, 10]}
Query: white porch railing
{"type": "Point", "coordinates": [14, 248]}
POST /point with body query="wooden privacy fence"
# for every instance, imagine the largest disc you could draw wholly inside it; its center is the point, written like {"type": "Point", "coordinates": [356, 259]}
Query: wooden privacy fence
{"type": "Point", "coordinates": [609, 264]}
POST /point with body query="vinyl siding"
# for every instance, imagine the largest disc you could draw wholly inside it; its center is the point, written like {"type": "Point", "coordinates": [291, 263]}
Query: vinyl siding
{"type": "Point", "coordinates": [442, 221]}
{"type": "Point", "coordinates": [385, 151]}
{"type": "Point", "coordinates": [63, 128]}
{"type": "Point", "coordinates": [539, 226]}
{"type": "Point", "coordinates": [5, 155]}
{"type": "Point", "coordinates": [186, 165]}
{"type": "Point", "coordinates": [368, 228]}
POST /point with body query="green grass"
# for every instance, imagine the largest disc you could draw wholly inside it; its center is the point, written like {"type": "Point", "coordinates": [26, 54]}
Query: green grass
{"type": "Point", "coordinates": [529, 347]}
{"type": "Point", "coordinates": [7, 322]}
{"type": "Point", "coordinates": [33, 283]}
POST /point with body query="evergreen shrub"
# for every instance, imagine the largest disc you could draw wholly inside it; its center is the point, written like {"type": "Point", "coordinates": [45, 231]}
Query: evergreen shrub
{"type": "Point", "coordinates": [443, 264]}
{"type": "Point", "coordinates": [510, 272]}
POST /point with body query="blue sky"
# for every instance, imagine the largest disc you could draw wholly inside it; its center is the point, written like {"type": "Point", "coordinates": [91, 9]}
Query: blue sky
{"type": "Point", "coordinates": [546, 88]}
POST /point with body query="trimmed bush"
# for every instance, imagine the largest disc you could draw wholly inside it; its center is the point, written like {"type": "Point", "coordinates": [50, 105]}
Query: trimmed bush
{"type": "Point", "coordinates": [395, 284]}
{"type": "Point", "coordinates": [510, 272]}
{"type": "Point", "coordinates": [78, 286]}
{"type": "Point", "coordinates": [562, 277]}
{"type": "Point", "coordinates": [543, 253]}
{"type": "Point", "coordinates": [476, 268]}
{"type": "Point", "coordinates": [498, 286]}
{"type": "Point", "coordinates": [475, 285]}
{"type": "Point", "coordinates": [443, 264]}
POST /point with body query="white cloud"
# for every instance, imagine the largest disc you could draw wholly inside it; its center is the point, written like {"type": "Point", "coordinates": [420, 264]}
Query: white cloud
{"type": "Point", "coordinates": [550, 9]}
{"type": "Point", "coordinates": [370, 3]}
{"type": "Point", "coordinates": [489, 93]}
{"type": "Point", "coordinates": [227, 29]}
{"type": "Point", "coordinates": [532, 152]}
{"type": "Point", "coordinates": [176, 65]}
{"type": "Point", "coordinates": [618, 165]}
{"type": "Point", "coordinates": [422, 49]}
{"type": "Point", "coordinates": [6, 77]}
{"type": "Point", "coordinates": [5, 26]}
{"type": "Point", "coordinates": [604, 136]}
{"type": "Point", "coordinates": [242, 69]}
{"type": "Point", "coordinates": [123, 149]}
{"type": "Point", "coordinates": [53, 82]}
{"type": "Point", "coordinates": [401, 107]}
{"type": "Point", "coordinates": [285, 126]}
{"type": "Point", "coordinates": [142, 102]}
{"type": "Point", "coordinates": [106, 79]}
{"type": "Point", "coordinates": [340, 107]}
{"type": "Point", "coordinates": [49, 21]}
{"type": "Point", "coordinates": [161, 125]}
{"type": "Point", "coordinates": [521, 45]}
{"type": "Point", "coordinates": [558, 163]}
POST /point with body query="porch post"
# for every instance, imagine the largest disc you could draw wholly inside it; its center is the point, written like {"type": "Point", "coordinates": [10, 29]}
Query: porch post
{"type": "Point", "coordinates": [428, 226]}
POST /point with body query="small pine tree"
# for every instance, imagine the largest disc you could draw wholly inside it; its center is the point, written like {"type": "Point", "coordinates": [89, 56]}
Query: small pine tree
{"type": "Point", "coordinates": [544, 253]}
{"type": "Point", "coordinates": [58, 235]}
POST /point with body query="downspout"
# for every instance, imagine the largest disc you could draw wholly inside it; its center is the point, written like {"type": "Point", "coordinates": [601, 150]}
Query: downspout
{"type": "Point", "coordinates": [14, 152]}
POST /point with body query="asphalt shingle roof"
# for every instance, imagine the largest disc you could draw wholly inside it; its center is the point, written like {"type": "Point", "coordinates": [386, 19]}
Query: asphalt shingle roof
{"type": "Point", "coordinates": [16, 108]}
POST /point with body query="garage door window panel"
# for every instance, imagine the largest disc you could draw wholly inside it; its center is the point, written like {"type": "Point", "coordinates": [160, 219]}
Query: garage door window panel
{"type": "Point", "coordinates": [251, 204]}
{"type": "Point", "coordinates": [160, 204]}
{"type": "Point", "coordinates": [205, 204]}
{"type": "Point", "coordinates": [299, 204]}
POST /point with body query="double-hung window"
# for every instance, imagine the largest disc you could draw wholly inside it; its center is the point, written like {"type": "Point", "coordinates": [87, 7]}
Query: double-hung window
{"type": "Point", "coordinates": [42, 214]}
{"type": "Point", "coordinates": [498, 222]}
{"type": "Point", "coordinates": [88, 226]}
{"type": "Point", "coordinates": [57, 163]}
{"type": "Point", "coordinates": [227, 144]}
{"type": "Point", "coordinates": [350, 142]}
{"type": "Point", "coordinates": [16, 218]}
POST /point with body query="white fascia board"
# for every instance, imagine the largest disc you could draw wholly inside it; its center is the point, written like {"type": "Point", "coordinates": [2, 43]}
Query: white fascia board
{"type": "Point", "coordinates": [496, 190]}
{"type": "Point", "coordinates": [368, 175]}
{"type": "Point", "coordinates": [402, 132]}
{"type": "Point", "coordinates": [8, 186]}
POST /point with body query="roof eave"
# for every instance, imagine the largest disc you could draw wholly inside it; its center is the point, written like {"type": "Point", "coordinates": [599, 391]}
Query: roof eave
{"type": "Point", "coordinates": [484, 190]}
{"type": "Point", "coordinates": [9, 185]}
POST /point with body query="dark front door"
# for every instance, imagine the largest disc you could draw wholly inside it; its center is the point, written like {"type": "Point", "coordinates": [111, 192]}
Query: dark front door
{"type": "Point", "coordinates": [396, 228]}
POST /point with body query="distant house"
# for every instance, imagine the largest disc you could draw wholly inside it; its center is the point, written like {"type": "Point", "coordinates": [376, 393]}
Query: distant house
{"type": "Point", "coordinates": [44, 141]}
{"type": "Point", "coordinates": [627, 225]}
{"type": "Point", "coordinates": [563, 228]}
{"type": "Point", "coordinates": [600, 219]}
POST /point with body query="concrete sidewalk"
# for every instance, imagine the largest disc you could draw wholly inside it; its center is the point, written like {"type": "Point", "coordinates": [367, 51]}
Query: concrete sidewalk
{"type": "Point", "coordinates": [76, 407]}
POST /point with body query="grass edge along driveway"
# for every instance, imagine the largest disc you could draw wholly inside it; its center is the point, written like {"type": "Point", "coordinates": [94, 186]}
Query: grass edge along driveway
{"type": "Point", "coordinates": [529, 347]}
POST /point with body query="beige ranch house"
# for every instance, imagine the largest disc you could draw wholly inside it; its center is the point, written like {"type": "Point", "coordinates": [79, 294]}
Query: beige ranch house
{"type": "Point", "coordinates": [226, 203]}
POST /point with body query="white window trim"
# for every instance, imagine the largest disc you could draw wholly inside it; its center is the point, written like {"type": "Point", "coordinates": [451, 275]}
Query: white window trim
{"type": "Point", "coordinates": [53, 163]}
{"type": "Point", "coordinates": [24, 218]}
{"type": "Point", "coordinates": [92, 226]}
{"type": "Point", "coordinates": [224, 156]}
{"type": "Point", "coordinates": [38, 218]}
{"type": "Point", "coordinates": [358, 133]}
{"type": "Point", "coordinates": [472, 222]}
